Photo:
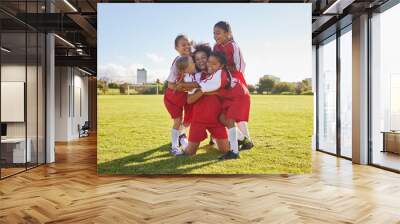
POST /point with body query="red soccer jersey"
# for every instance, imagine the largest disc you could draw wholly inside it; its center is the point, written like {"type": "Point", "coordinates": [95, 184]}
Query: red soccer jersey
{"type": "Point", "coordinates": [174, 100]}
{"type": "Point", "coordinates": [233, 89]}
{"type": "Point", "coordinates": [234, 58]}
{"type": "Point", "coordinates": [236, 97]}
{"type": "Point", "coordinates": [219, 80]}
{"type": "Point", "coordinates": [207, 109]}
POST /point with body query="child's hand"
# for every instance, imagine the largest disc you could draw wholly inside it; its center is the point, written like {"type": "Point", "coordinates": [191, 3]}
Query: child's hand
{"type": "Point", "coordinates": [179, 86]}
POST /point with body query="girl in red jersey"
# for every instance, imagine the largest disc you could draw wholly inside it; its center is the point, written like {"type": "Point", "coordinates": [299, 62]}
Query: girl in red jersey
{"type": "Point", "coordinates": [236, 98]}
{"type": "Point", "coordinates": [200, 56]}
{"type": "Point", "coordinates": [225, 44]}
{"type": "Point", "coordinates": [235, 65]}
{"type": "Point", "coordinates": [206, 110]}
{"type": "Point", "coordinates": [175, 97]}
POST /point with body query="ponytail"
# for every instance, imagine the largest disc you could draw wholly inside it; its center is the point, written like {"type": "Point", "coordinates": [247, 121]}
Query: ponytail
{"type": "Point", "coordinates": [225, 26]}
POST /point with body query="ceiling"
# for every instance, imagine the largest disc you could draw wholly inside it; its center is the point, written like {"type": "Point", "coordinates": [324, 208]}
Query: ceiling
{"type": "Point", "coordinates": [332, 15]}
{"type": "Point", "coordinates": [75, 21]}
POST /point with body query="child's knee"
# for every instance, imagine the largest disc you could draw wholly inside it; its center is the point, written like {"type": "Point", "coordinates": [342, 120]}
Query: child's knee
{"type": "Point", "coordinates": [190, 152]}
{"type": "Point", "coordinates": [191, 149]}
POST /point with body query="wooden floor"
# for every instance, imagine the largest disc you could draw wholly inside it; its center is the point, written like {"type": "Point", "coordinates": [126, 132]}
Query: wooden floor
{"type": "Point", "coordinates": [10, 171]}
{"type": "Point", "coordinates": [70, 191]}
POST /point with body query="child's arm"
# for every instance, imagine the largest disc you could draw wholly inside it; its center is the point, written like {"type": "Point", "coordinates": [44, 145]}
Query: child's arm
{"type": "Point", "coordinates": [188, 86]}
{"type": "Point", "coordinates": [175, 86]}
{"type": "Point", "coordinates": [172, 85]}
{"type": "Point", "coordinates": [211, 93]}
{"type": "Point", "coordinates": [194, 97]}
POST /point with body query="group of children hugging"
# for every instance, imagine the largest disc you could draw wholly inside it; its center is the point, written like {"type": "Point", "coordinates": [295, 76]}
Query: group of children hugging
{"type": "Point", "coordinates": [207, 92]}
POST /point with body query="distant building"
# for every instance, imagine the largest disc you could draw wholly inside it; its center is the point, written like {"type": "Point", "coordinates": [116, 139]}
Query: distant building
{"type": "Point", "coordinates": [277, 79]}
{"type": "Point", "coordinates": [141, 76]}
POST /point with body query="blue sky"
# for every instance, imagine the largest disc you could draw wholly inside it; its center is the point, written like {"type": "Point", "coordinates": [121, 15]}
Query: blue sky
{"type": "Point", "coordinates": [274, 38]}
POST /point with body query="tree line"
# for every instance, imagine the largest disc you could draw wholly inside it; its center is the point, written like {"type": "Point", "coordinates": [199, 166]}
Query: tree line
{"type": "Point", "coordinates": [265, 85]}
{"type": "Point", "coordinates": [105, 87]}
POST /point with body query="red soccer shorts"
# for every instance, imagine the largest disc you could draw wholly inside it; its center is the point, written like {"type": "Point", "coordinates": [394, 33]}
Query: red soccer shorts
{"type": "Point", "coordinates": [238, 108]}
{"type": "Point", "coordinates": [174, 101]}
{"type": "Point", "coordinates": [198, 132]}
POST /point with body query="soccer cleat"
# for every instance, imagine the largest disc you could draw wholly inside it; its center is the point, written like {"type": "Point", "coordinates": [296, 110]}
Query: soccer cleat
{"type": "Point", "coordinates": [180, 137]}
{"type": "Point", "coordinates": [229, 155]}
{"type": "Point", "coordinates": [176, 152]}
{"type": "Point", "coordinates": [240, 143]}
{"type": "Point", "coordinates": [246, 145]}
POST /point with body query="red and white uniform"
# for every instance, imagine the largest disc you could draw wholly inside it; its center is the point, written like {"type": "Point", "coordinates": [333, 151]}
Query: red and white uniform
{"type": "Point", "coordinates": [174, 101]}
{"type": "Point", "coordinates": [236, 97]}
{"type": "Point", "coordinates": [193, 78]}
{"type": "Point", "coordinates": [188, 108]}
{"type": "Point", "coordinates": [234, 58]}
{"type": "Point", "coordinates": [206, 111]}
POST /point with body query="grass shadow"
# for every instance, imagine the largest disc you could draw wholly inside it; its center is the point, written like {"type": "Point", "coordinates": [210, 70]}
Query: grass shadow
{"type": "Point", "coordinates": [159, 161]}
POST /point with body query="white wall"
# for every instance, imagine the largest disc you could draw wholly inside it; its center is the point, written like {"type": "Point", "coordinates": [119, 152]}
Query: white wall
{"type": "Point", "coordinates": [314, 90]}
{"type": "Point", "coordinates": [12, 73]}
{"type": "Point", "coordinates": [82, 82]}
{"type": "Point", "coordinates": [70, 83]}
{"type": "Point", "coordinates": [62, 82]}
{"type": "Point", "coordinates": [33, 127]}
{"type": "Point", "coordinates": [79, 117]}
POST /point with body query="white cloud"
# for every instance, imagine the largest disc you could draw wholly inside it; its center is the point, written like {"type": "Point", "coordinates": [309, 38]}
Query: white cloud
{"type": "Point", "coordinates": [154, 57]}
{"type": "Point", "coordinates": [267, 44]}
{"type": "Point", "coordinates": [119, 73]}
{"type": "Point", "coordinates": [155, 74]}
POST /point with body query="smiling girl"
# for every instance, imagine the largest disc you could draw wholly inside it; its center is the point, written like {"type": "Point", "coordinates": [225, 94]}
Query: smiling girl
{"type": "Point", "coordinates": [175, 97]}
{"type": "Point", "coordinates": [225, 44]}
{"type": "Point", "coordinates": [235, 65]}
{"type": "Point", "coordinates": [236, 99]}
{"type": "Point", "coordinates": [206, 108]}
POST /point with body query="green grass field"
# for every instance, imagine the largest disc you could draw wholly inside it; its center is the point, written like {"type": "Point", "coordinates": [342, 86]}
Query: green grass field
{"type": "Point", "coordinates": [134, 137]}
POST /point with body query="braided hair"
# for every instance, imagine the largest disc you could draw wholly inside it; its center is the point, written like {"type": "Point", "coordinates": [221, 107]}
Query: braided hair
{"type": "Point", "coordinates": [222, 60]}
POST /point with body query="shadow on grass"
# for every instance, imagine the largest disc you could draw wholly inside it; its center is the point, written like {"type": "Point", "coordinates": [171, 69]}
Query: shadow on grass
{"type": "Point", "coordinates": [158, 161]}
